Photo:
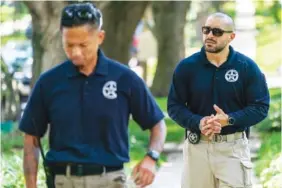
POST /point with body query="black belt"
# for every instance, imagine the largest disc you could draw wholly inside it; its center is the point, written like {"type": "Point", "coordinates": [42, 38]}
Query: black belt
{"type": "Point", "coordinates": [82, 169]}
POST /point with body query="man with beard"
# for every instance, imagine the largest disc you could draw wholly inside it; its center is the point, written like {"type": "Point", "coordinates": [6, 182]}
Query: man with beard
{"type": "Point", "coordinates": [87, 101]}
{"type": "Point", "coordinates": [216, 95]}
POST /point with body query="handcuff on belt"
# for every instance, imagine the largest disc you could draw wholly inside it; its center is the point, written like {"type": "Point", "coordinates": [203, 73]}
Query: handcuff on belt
{"type": "Point", "coordinates": [193, 137]}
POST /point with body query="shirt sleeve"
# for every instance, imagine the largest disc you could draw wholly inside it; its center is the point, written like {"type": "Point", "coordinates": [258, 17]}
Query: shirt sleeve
{"type": "Point", "coordinates": [257, 99]}
{"type": "Point", "coordinates": [177, 101]}
{"type": "Point", "coordinates": [34, 120]}
{"type": "Point", "coordinates": [143, 106]}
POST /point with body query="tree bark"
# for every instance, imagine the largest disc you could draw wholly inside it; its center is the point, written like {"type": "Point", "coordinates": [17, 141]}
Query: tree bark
{"type": "Point", "coordinates": [170, 19]}
{"type": "Point", "coordinates": [46, 36]}
{"type": "Point", "coordinates": [120, 21]}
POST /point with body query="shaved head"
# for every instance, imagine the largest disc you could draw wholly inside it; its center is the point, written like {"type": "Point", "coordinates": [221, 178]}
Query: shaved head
{"type": "Point", "coordinates": [218, 32]}
{"type": "Point", "coordinates": [225, 20]}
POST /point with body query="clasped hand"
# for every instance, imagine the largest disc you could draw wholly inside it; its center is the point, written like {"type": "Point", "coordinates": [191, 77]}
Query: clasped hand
{"type": "Point", "coordinates": [210, 125]}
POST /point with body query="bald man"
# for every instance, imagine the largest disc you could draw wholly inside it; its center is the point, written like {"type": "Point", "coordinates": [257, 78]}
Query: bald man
{"type": "Point", "coordinates": [216, 95]}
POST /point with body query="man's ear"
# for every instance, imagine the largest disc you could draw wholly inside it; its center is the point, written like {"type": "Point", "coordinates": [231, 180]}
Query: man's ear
{"type": "Point", "coordinates": [232, 36]}
{"type": "Point", "coordinates": [101, 36]}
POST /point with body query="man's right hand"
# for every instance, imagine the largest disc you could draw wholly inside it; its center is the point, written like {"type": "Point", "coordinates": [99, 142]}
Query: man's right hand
{"type": "Point", "coordinates": [144, 172]}
{"type": "Point", "coordinates": [211, 128]}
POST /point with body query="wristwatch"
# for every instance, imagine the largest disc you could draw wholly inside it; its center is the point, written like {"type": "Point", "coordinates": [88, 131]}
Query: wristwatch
{"type": "Point", "coordinates": [155, 155]}
{"type": "Point", "coordinates": [231, 120]}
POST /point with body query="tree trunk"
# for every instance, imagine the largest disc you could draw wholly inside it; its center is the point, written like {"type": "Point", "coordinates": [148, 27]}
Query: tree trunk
{"type": "Point", "coordinates": [46, 36]}
{"type": "Point", "coordinates": [120, 21]}
{"type": "Point", "coordinates": [170, 20]}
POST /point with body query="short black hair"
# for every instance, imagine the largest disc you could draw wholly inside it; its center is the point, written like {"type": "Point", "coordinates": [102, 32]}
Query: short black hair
{"type": "Point", "coordinates": [81, 14]}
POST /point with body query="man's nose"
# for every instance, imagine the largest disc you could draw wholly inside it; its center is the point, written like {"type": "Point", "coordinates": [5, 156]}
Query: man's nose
{"type": "Point", "coordinates": [76, 52]}
{"type": "Point", "coordinates": [210, 35]}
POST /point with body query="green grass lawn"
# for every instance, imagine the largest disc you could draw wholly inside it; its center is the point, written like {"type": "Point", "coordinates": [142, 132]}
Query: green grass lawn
{"type": "Point", "coordinates": [162, 102]}
{"type": "Point", "coordinates": [139, 139]}
{"type": "Point", "coordinates": [175, 133]}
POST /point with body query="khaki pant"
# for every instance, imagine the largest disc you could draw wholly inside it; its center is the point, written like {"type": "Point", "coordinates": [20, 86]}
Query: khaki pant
{"type": "Point", "coordinates": [116, 179]}
{"type": "Point", "coordinates": [217, 164]}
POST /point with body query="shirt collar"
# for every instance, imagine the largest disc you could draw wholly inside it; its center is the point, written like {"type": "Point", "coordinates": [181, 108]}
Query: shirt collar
{"type": "Point", "coordinates": [228, 62]}
{"type": "Point", "coordinates": [102, 64]}
{"type": "Point", "coordinates": [100, 69]}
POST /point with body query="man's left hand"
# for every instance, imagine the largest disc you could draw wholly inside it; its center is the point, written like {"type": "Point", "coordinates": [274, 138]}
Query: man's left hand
{"type": "Point", "coordinates": [144, 172]}
{"type": "Point", "coordinates": [220, 116]}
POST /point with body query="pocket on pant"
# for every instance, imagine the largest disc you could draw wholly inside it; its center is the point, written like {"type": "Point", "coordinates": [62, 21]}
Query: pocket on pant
{"type": "Point", "coordinates": [247, 170]}
{"type": "Point", "coordinates": [241, 149]}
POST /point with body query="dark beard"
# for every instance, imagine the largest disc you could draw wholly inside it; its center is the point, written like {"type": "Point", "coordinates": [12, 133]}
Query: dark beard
{"type": "Point", "coordinates": [215, 51]}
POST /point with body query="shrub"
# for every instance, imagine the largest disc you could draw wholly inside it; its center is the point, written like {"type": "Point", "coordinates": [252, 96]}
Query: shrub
{"type": "Point", "coordinates": [271, 177]}
{"type": "Point", "coordinates": [273, 121]}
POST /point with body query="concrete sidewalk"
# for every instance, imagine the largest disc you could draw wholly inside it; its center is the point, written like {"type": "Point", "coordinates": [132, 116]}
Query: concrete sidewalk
{"type": "Point", "coordinates": [169, 175]}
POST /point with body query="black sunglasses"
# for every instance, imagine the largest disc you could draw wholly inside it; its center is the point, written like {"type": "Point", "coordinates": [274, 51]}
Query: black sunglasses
{"type": "Point", "coordinates": [215, 31]}
{"type": "Point", "coordinates": [83, 14]}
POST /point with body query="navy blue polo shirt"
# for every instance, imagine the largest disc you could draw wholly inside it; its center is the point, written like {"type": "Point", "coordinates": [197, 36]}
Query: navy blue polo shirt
{"type": "Point", "coordinates": [88, 115]}
{"type": "Point", "coordinates": [237, 86]}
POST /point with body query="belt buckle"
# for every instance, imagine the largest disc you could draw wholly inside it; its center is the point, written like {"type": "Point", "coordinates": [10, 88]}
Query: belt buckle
{"type": "Point", "coordinates": [79, 169]}
{"type": "Point", "coordinates": [218, 138]}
